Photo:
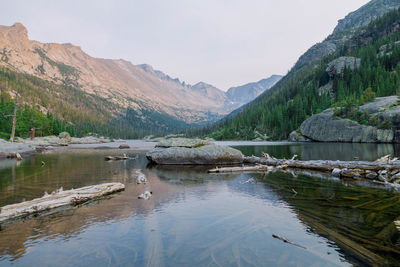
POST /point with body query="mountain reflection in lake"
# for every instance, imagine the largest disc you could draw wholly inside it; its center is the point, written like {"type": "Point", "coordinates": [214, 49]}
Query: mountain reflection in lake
{"type": "Point", "coordinates": [195, 218]}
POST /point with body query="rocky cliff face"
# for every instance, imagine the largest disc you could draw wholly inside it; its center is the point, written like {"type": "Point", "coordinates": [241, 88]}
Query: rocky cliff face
{"type": "Point", "coordinates": [364, 15]}
{"type": "Point", "coordinates": [325, 127]}
{"type": "Point", "coordinates": [346, 29]}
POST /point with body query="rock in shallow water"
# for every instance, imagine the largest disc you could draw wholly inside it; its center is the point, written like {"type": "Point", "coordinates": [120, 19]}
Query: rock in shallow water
{"type": "Point", "coordinates": [325, 127]}
{"type": "Point", "coordinates": [183, 142]}
{"type": "Point", "coordinates": [204, 155]}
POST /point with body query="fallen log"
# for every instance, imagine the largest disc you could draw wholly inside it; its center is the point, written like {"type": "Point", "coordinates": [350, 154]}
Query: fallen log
{"type": "Point", "coordinates": [241, 169]}
{"type": "Point", "coordinates": [363, 167]}
{"type": "Point", "coordinates": [109, 158]}
{"type": "Point", "coordinates": [58, 199]}
{"type": "Point", "coordinates": [383, 171]}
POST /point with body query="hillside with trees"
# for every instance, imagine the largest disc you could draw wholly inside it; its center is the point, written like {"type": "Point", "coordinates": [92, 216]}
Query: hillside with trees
{"type": "Point", "coordinates": [301, 92]}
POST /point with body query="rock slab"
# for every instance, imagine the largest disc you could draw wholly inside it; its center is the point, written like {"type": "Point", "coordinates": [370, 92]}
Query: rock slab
{"type": "Point", "coordinates": [183, 142]}
{"type": "Point", "coordinates": [204, 155]}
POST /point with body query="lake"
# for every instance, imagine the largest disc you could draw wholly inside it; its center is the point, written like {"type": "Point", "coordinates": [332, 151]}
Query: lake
{"type": "Point", "coordinates": [200, 219]}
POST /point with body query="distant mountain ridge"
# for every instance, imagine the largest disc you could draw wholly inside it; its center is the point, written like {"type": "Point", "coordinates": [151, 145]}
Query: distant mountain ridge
{"type": "Point", "coordinates": [119, 81]}
{"type": "Point", "coordinates": [138, 95]}
{"type": "Point", "coordinates": [248, 92]}
{"type": "Point", "coordinates": [233, 98]}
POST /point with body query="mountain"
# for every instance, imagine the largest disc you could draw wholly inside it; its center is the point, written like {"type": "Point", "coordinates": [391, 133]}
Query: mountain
{"type": "Point", "coordinates": [345, 29]}
{"type": "Point", "coordinates": [366, 14]}
{"type": "Point", "coordinates": [108, 93]}
{"type": "Point", "coordinates": [241, 95]}
{"type": "Point", "coordinates": [359, 57]}
{"type": "Point", "coordinates": [119, 82]}
{"type": "Point", "coordinates": [210, 91]}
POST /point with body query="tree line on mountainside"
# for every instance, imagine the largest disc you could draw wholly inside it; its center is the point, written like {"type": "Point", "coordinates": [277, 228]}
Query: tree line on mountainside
{"type": "Point", "coordinates": [53, 108]}
{"type": "Point", "coordinates": [282, 109]}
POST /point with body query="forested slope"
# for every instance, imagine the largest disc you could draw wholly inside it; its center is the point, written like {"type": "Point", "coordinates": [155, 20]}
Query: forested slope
{"type": "Point", "coordinates": [301, 93]}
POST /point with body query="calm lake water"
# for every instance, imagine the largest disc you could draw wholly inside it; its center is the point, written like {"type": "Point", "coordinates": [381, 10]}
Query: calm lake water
{"type": "Point", "coordinates": [200, 219]}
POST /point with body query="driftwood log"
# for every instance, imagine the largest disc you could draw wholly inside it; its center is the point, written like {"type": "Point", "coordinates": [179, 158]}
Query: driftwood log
{"type": "Point", "coordinates": [116, 158]}
{"type": "Point", "coordinates": [242, 169]}
{"type": "Point", "coordinates": [384, 169]}
{"type": "Point", "coordinates": [58, 199]}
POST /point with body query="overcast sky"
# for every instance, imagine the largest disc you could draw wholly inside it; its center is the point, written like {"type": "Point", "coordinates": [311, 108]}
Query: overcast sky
{"type": "Point", "coordinates": [222, 42]}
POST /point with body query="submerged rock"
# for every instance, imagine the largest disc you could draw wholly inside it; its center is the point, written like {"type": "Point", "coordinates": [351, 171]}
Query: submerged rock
{"type": "Point", "coordinates": [295, 136]}
{"type": "Point", "coordinates": [140, 177]}
{"type": "Point", "coordinates": [336, 172]}
{"type": "Point", "coordinates": [204, 155]}
{"type": "Point", "coordinates": [124, 146]}
{"type": "Point", "coordinates": [146, 195]}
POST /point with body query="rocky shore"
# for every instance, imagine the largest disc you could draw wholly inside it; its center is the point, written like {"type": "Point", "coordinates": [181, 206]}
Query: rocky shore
{"type": "Point", "coordinates": [26, 147]}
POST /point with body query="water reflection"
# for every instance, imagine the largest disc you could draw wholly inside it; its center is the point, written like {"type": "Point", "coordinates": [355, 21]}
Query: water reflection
{"type": "Point", "coordinates": [205, 219]}
{"type": "Point", "coordinates": [326, 151]}
{"type": "Point", "coordinates": [359, 219]}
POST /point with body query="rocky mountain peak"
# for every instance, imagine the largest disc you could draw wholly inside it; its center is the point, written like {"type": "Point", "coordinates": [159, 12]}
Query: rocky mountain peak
{"type": "Point", "coordinates": [247, 92]}
{"type": "Point", "coordinates": [147, 68]}
{"type": "Point", "coordinates": [367, 13]}
{"type": "Point", "coordinates": [202, 86]}
{"type": "Point", "coordinates": [20, 29]}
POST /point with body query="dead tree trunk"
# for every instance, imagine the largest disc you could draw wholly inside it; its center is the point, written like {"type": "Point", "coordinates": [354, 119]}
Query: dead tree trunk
{"type": "Point", "coordinates": [14, 119]}
{"type": "Point", "coordinates": [381, 170]}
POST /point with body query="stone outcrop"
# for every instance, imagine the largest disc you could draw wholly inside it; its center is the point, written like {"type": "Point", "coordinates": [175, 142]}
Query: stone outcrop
{"type": "Point", "coordinates": [195, 154]}
{"type": "Point", "coordinates": [183, 142]}
{"type": "Point", "coordinates": [388, 49]}
{"type": "Point", "coordinates": [346, 30]}
{"type": "Point", "coordinates": [367, 13]}
{"type": "Point", "coordinates": [296, 136]}
{"type": "Point", "coordinates": [337, 66]}
{"type": "Point", "coordinates": [325, 127]}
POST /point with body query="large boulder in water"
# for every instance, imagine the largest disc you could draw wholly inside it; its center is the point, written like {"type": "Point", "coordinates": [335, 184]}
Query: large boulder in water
{"type": "Point", "coordinates": [325, 127]}
{"type": "Point", "coordinates": [183, 142]}
{"type": "Point", "coordinates": [201, 155]}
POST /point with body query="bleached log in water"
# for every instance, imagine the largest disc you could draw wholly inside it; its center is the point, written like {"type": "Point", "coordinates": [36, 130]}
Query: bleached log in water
{"type": "Point", "coordinates": [384, 170]}
{"type": "Point", "coordinates": [241, 169]}
{"type": "Point", "coordinates": [58, 199]}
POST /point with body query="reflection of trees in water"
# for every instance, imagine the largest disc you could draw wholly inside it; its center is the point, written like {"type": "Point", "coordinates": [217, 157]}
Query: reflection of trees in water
{"type": "Point", "coordinates": [332, 151]}
{"type": "Point", "coordinates": [346, 151]}
{"type": "Point", "coordinates": [358, 219]}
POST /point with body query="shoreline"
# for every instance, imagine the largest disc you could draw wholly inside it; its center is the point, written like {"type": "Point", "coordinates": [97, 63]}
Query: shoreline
{"type": "Point", "coordinates": [27, 147]}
